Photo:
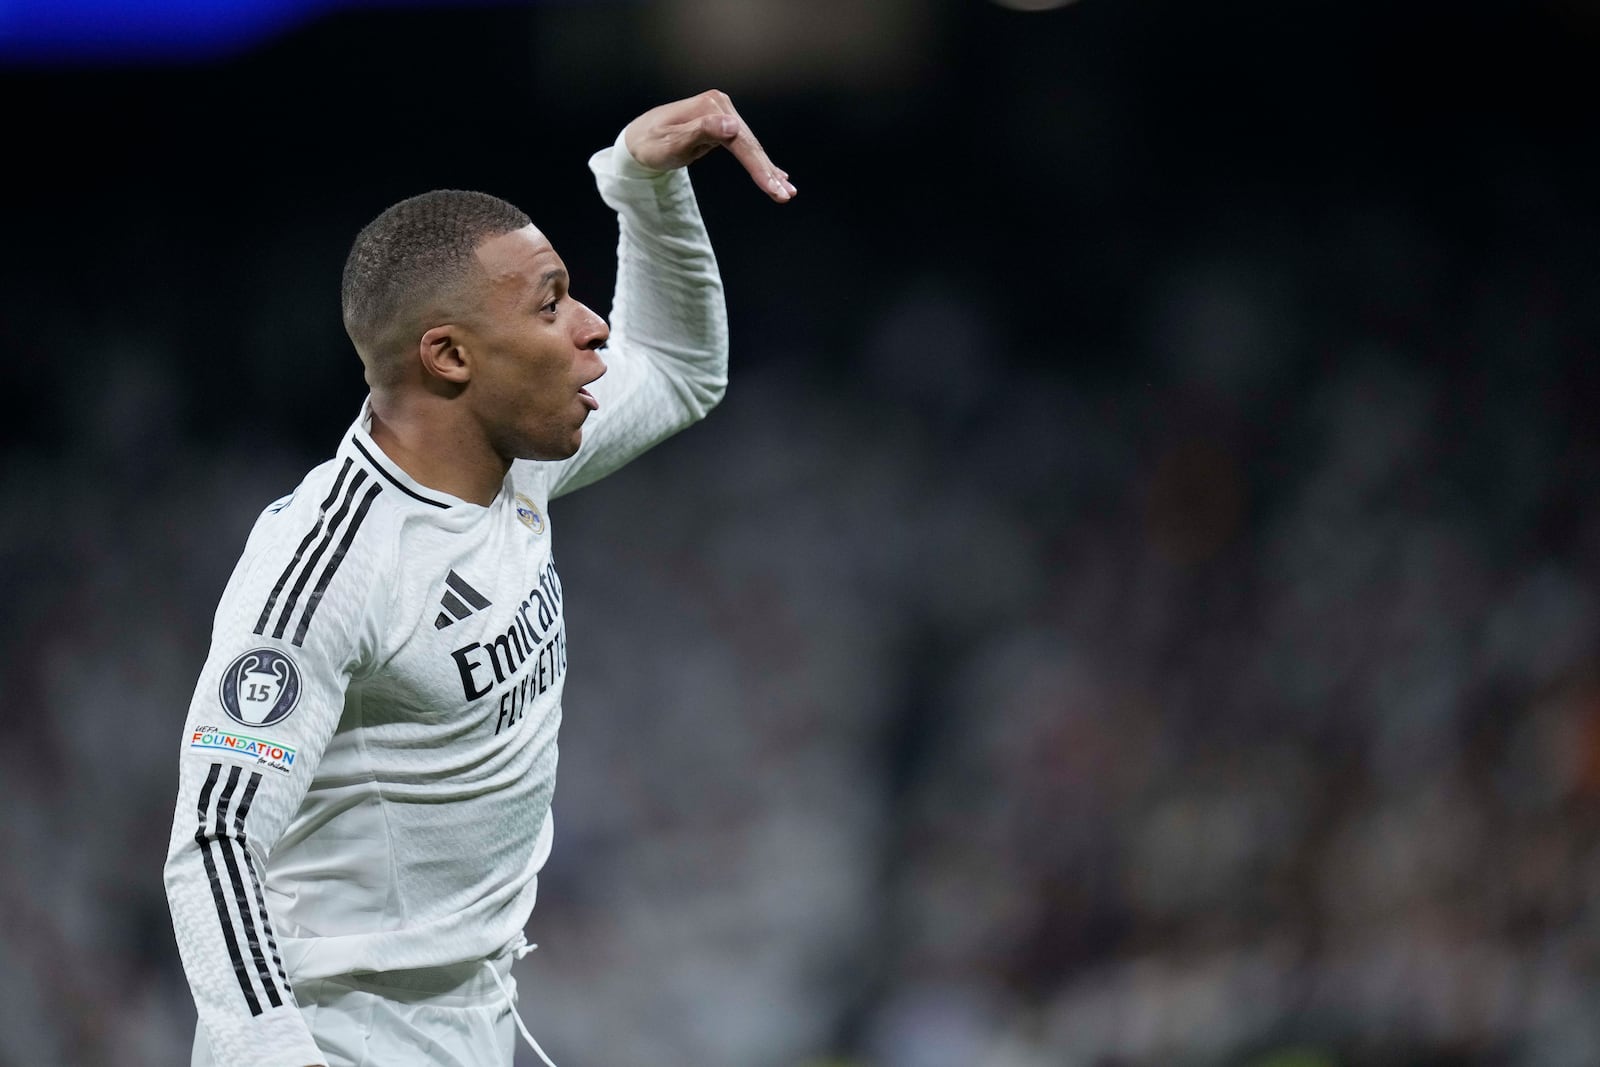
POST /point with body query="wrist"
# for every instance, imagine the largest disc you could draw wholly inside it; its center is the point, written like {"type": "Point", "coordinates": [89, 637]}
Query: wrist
{"type": "Point", "coordinates": [626, 165]}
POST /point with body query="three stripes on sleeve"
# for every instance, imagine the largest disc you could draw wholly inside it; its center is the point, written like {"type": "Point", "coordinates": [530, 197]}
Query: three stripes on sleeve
{"type": "Point", "coordinates": [242, 910]}
{"type": "Point", "coordinates": [240, 913]}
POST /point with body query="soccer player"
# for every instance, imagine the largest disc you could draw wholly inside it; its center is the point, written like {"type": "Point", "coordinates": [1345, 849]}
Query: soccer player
{"type": "Point", "coordinates": [365, 775]}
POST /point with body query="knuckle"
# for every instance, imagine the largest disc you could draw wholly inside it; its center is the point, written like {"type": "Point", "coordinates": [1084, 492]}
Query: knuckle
{"type": "Point", "coordinates": [716, 96]}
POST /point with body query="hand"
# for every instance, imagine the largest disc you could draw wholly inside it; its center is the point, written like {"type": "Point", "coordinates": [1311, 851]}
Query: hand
{"type": "Point", "coordinates": [676, 134]}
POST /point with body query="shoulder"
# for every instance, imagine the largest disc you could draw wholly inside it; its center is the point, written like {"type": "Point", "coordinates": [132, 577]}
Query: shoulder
{"type": "Point", "coordinates": [316, 556]}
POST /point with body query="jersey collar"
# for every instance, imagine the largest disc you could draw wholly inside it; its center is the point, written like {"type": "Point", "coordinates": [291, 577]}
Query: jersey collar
{"type": "Point", "coordinates": [365, 450]}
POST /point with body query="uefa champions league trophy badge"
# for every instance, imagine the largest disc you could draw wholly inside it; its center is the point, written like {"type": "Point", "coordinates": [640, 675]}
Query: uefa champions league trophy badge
{"type": "Point", "coordinates": [260, 687]}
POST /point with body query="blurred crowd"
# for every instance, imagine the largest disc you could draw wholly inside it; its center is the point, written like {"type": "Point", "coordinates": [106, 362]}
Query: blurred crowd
{"type": "Point", "coordinates": [979, 686]}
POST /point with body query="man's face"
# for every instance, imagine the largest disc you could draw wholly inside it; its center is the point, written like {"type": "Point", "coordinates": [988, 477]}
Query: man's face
{"type": "Point", "coordinates": [535, 350]}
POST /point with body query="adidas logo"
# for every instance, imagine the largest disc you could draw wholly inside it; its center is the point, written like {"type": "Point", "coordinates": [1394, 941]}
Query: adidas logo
{"type": "Point", "coordinates": [452, 601]}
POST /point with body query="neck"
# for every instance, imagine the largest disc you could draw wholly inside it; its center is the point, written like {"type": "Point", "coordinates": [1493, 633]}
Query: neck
{"type": "Point", "coordinates": [437, 449]}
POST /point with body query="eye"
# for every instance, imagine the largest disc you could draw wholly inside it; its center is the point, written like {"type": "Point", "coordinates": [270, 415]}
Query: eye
{"type": "Point", "coordinates": [550, 308]}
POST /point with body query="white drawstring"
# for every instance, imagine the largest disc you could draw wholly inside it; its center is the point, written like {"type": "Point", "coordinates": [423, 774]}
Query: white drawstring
{"type": "Point", "coordinates": [519, 948]}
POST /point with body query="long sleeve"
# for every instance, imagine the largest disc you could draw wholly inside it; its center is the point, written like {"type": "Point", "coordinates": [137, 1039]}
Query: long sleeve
{"type": "Point", "coordinates": [292, 629]}
{"type": "Point", "coordinates": [668, 354]}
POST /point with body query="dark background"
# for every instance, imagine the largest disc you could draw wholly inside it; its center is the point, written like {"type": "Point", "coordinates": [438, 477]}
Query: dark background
{"type": "Point", "coordinates": [1136, 605]}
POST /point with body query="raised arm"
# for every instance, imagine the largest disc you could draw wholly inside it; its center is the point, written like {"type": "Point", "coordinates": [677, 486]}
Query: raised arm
{"type": "Point", "coordinates": [668, 352]}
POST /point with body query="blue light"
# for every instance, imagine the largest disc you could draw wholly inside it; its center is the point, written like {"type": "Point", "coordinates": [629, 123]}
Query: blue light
{"type": "Point", "coordinates": [56, 31]}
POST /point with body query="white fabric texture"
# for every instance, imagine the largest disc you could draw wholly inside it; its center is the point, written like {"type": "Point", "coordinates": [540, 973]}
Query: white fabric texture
{"type": "Point", "coordinates": [369, 758]}
{"type": "Point", "coordinates": [446, 1017]}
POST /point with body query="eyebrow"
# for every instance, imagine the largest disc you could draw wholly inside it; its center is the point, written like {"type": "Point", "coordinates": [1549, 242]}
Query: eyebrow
{"type": "Point", "coordinates": [553, 279]}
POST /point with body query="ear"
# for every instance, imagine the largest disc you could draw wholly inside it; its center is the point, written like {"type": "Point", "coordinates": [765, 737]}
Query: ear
{"type": "Point", "coordinates": [443, 355]}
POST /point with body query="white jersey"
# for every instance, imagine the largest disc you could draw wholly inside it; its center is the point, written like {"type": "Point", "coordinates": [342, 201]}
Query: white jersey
{"type": "Point", "coordinates": [366, 771]}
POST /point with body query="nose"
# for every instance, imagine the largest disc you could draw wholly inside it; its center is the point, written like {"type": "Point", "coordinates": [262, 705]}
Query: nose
{"type": "Point", "coordinates": [593, 333]}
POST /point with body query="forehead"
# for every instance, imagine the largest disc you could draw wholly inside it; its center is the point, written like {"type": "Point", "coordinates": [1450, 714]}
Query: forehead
{"type": "Point", "coordinates": [519, 259]}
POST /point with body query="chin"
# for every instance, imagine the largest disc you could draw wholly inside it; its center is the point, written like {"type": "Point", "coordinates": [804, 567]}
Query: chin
{"type": "Point", "coordinates": [551, 451]}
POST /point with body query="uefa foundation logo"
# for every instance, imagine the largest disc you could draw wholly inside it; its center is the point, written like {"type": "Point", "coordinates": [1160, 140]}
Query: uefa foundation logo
{"type": "Point", "coordinates": [260, 687]}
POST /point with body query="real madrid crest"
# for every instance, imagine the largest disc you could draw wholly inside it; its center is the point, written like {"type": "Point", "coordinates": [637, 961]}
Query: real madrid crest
{"type": "Point", "coordinates": [529, 515]}
{"type": "Point", "coordinates": [260, 687]}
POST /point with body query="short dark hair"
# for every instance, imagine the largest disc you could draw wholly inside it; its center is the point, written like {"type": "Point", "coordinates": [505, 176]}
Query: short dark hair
{"type": "Point", "coordinates": [416, 249]}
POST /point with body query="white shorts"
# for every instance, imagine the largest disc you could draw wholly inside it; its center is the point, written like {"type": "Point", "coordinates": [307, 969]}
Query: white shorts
{"type": "Point", "coordinates": [435, 1017]}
